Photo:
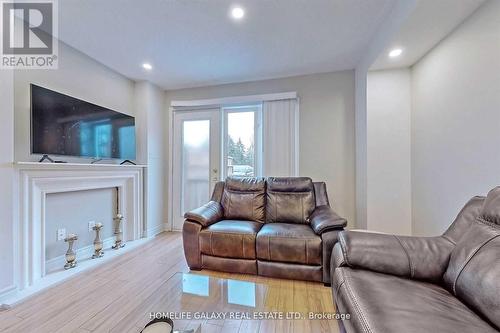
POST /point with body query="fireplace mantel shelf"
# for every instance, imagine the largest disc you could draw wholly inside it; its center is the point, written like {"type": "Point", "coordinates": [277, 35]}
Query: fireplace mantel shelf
{"type": "Point", "coordinates": [37, 165]}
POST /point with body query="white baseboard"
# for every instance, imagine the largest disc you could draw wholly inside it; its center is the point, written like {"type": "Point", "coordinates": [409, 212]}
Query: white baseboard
{"type": "Point", "coordinates": [82, 253]}
{"type": "Point", "coordinates": [8, 289]}
{"type": "Point", "coordinates": [6, 293]}
{"type": "Point", "coordinates": [151, 232]}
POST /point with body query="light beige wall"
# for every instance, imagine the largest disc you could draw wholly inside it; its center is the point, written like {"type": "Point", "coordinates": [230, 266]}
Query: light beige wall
{"type": "Point", "coordinates": [65, 210]}
{"type": "Point", "coordinates": [327, 145]}
{"type": "Point", "coordinates": [389, 151]}
{"type": "Point", "coordinates": [456, 121]}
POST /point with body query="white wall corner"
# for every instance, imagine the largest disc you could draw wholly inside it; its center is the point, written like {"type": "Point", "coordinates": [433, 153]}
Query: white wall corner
{"type": "Point", "coordinates": [361, 149]}
{"type": "Point", "coordinates": [150, 121]}
{"type": "Point", "coordinates": [389, 151]}
{"type": "Point", "coordinates": [398, 14]}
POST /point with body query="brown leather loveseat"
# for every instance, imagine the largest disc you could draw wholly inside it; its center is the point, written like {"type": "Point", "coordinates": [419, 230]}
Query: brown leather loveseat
{"type": "Point", "coordinates": [278, 227]}
{"type": "Point", "coordinates": [449, 283]}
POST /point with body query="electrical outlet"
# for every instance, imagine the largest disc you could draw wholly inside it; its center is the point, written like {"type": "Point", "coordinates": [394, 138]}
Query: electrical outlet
{"type": "Point", "coordinates": [61, 234]}
{"type": "Point", "coordinates": [91, 225]}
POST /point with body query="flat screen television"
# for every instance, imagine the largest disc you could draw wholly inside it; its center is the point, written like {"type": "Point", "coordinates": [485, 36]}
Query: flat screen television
{"type": "Point", "coordinates": [67, 126]}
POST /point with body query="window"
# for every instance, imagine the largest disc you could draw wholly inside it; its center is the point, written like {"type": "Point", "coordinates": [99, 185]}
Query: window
{"type": "Point", "coordinates": [242, 141]}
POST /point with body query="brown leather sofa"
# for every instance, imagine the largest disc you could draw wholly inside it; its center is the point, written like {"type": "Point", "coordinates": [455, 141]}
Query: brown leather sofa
{"type": "Point", "coordinates": [449, 283]}
{"type": "Point", "coordinates": [278, 227]}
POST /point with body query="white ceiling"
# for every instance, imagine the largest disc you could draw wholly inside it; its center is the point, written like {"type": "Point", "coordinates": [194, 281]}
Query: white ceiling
{"type": "Point", "coordinates": [429, 23]}
{"type": "Point", "coordinates": [195, 43]}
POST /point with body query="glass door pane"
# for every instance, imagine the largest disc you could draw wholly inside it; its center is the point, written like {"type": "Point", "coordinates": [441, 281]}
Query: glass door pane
{"type": "Point", "coordinates": [240, 141]}
{"type": "Point", "coordinates": [195, 163]}
{"type": "Point", "coordinates": [196, 160]}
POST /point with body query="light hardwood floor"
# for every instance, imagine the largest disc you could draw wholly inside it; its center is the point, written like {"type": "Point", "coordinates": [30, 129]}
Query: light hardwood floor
{"type": "Point", "coordinates": [111, 298]}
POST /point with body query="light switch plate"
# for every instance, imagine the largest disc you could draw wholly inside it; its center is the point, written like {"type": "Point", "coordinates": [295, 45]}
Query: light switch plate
{"type": "Point", "coordinates": [61, 234]}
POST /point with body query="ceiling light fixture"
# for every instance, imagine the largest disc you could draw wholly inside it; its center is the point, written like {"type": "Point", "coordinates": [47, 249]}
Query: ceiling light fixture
{"type": "Point", "coordinates": [147, 66]}
{"type": "Point", "coordinates": [237, 13]}
{"type": "Point", "coordinates": [395, 53]}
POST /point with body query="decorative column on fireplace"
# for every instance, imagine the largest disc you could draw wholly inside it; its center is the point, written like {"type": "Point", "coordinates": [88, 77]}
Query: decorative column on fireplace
{"type": "Point", "coordinates": [98, 252]}
{"type": "Point", "coordinates": [118, 225]}
{"type": "Point", "coordinates": [70, 254]}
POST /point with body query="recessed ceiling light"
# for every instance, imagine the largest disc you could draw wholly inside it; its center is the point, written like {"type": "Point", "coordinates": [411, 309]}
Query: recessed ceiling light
{"type": "Point", "coordinates": [237, 13]}
{"type": "Point", "coordinates": [147, 66]}
{"type": "Point", "coordinates": [395, 53]}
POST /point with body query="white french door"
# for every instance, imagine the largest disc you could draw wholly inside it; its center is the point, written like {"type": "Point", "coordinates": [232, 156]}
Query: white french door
{"type": "Point", "coordinates": [196, 160]}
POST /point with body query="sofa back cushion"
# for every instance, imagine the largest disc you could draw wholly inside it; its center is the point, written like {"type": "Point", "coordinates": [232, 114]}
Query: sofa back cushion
{"type": "Point", "coordinates": [465, 219]}
{"type": "Point", "coordinates": [244, 199]}
{"type": "Point", "coordinates": [320, 194]}
{"type": "Point", "coordinates": [473, 273]}
{"type": "Point", "coordinates": [289, 199]}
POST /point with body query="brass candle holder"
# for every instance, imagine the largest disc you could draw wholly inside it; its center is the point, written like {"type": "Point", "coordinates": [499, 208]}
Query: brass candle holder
{"type": "Point", "coordinates": [118, 232]}
{"type": "Point", "coordinates": [98, 252]}
{"type": "Point", "coordinates": [70, 254]}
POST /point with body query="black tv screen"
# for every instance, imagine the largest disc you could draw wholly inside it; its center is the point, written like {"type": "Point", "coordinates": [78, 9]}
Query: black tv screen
{"type": "Point", "coordinates": [64, 125]}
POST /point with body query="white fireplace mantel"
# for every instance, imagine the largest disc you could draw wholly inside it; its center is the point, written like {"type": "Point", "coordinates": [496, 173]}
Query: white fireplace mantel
{"type": "Point", "coordinates": [36, 180]}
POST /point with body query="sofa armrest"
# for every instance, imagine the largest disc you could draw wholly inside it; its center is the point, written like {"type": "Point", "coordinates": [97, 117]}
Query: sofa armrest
{"type": "Point", "coordinates": [323, 219]}
{"type": "Point", "coordinates": [421, 258]}
{"type": "Point", "coordinates": [191, 243]}
{"type": "Point", "coordinates": [207, 214]}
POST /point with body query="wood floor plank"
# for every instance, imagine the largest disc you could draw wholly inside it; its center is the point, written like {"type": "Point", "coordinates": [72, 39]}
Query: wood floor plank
{"type": "Point", "coordinates": [118, 297]}
{"type": "Point", "coordinates": [8, 320]}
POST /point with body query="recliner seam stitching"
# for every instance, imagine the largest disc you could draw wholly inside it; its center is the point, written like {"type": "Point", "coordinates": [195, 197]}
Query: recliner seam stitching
{"type": "Point", "coordinates": [289, 192]}
{"type": "Point", "coordinates": [307, 257]}
{"type": "Point", "coordinates": [253, 206]}
{"type": "Point", "coordinates": [358, 308]}
{"type": "Point", "coordinates": [211, 246]}
{"type": "Point", "coordinates": [410, 264]}
{"type": "Point", "coordinates": [269, 247]}
{"type": "Point", "coordinates": [243, 246]}
{"type": "Point", "coordinates": [469, 258]}
{"type": "Point", "coordinates": [340, 285]}
{"type": "Point", "coordinates": [449, 239]}
{"type": "Point", "coordinates": [302, 208]}
{"type": "Point", "coordinates": [229, 233]}
{"type": "Point", "coordinates": [343, 247]}
{"type": "Point", "coordinates": [290, 237]}
{"type": "Point", "coordinates": [276, 209]}
{"type": "Point", "coordinates": [488, 223]}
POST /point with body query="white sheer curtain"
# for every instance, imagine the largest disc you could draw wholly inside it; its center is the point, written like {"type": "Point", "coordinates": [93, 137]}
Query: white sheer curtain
{"type": "Point", "coordinates": [280, 128]}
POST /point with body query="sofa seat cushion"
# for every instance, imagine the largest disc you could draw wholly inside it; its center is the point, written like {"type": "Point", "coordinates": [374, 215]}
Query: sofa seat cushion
{"type": "Point", "coordinates": [385, 303]}
{"type": "Point", "coordinates": [293, 243]}
{"type": "Point", "coordinates": [230, 239]}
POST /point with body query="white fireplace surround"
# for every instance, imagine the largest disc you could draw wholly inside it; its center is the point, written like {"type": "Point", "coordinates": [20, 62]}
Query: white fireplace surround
{"type": "Point", "coordinates": [37, 180]}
